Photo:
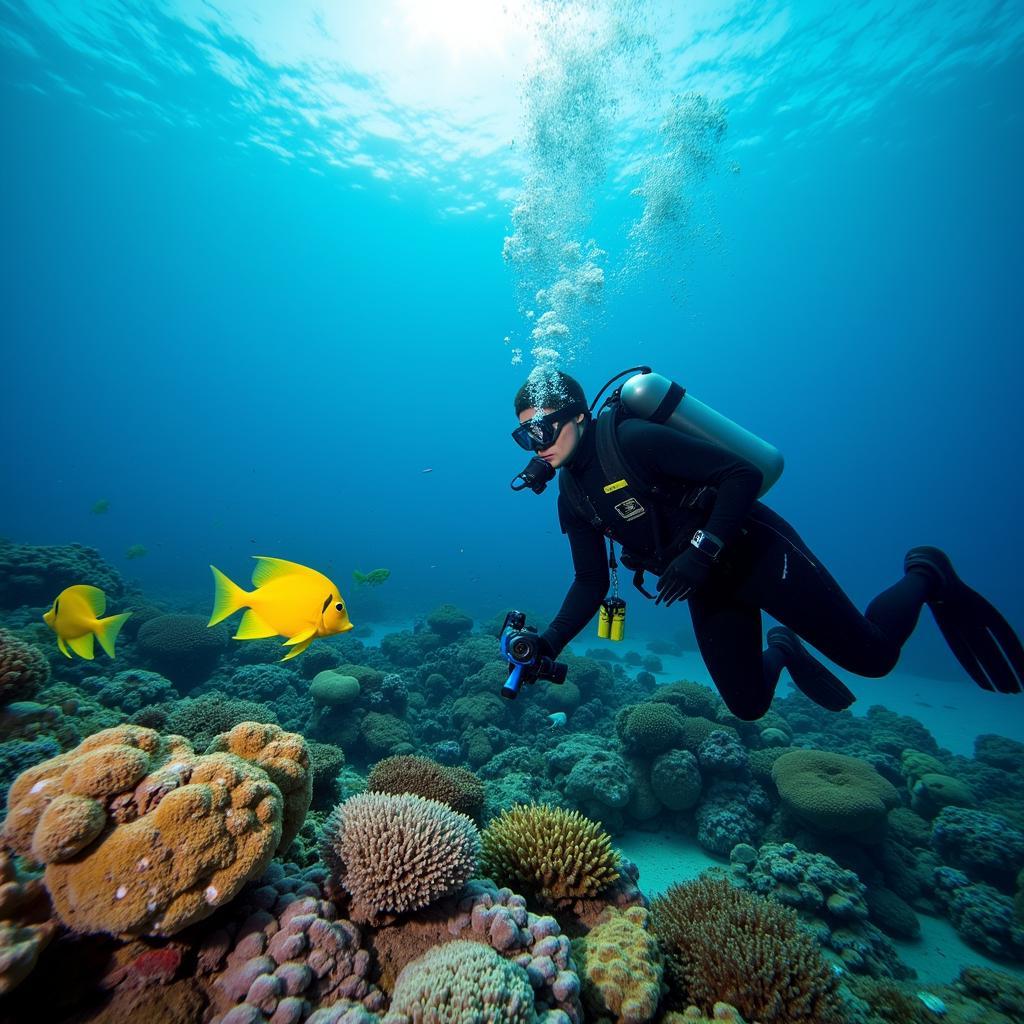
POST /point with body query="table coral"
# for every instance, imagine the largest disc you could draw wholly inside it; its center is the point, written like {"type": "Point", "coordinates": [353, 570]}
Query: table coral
{"type": "Point", "coordinates": [835, 794]}
{"type": "Point", "coordinates": [141, 836]}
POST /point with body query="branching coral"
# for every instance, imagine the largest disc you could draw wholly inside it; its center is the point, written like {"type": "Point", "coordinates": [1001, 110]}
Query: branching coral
{"type": "Point", "coordinates": [725, 944]}
{"type": "Point", "coordinates": [550, 852]}
{"type": "Point", "coordinates": [396, 853]}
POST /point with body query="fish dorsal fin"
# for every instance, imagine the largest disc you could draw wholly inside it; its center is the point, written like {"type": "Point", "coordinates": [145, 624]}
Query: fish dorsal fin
{"type": "Point", "coordinates": [82, 646]}
{"type": "Point", "coordinates": [93, 597]}
{"type": "Point", "coordinates": [252, 627]}
{"type": "Point", "coordinates": [268, 569]}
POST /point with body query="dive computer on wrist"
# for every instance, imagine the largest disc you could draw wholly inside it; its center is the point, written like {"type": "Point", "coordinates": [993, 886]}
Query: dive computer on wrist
{"type": "Point", "coordinates": [707, 543]}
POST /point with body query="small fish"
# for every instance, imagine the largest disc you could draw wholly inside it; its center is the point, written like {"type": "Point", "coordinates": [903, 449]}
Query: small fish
{"type": "Point", "coordinates": [371, 579]}
{"type": "Point", "coordinates": [923, 704]}
{"type": "Point", "coordinates": [558, 718]}
{"type": "Point", "coordinates": [101, 506]}
{"type": "Point", "coordinates": [77, 616]}
{"type": "Point", "coordinates": [136, 551]}
{"type": "Point", "coordinates": [289, 600]}
{"type": "Point", "coordinates": [429, 469]}
{"type": "Point", "coordinates": [933, 1003]}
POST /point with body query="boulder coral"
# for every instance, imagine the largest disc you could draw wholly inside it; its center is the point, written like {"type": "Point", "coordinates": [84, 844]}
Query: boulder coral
{"type": "Point", "coordinates": [181, 647]}
{"type": "Point", "coordinates": [398, 853]}
{"type": "Point", "coordinates": [650, 728]}
{"type": "Point", "coordinates": [835, 794]}
{"type": "Point", "coordinates": [457, 787]}
{"type": "Point", "coordinates": [139, 835]}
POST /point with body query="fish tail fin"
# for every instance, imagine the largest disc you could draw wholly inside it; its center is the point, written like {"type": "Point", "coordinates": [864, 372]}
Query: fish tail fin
{"type": "Point", "coordinates": [107, 629]}
{"type": "Point", "coordinates": [228, 597]}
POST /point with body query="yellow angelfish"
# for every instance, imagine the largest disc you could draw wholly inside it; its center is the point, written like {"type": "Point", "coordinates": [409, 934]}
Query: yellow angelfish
{"type": "Point", "coordinates": [76, 617]}
{"type": "Point", "coordinates": [290, 600]}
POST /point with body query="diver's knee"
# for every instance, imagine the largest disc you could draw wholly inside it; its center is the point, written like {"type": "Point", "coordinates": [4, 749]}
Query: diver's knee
{"type": "Point", "coordinates": [750, 708]}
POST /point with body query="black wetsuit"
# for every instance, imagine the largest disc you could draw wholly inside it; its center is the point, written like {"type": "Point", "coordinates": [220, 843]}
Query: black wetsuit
{"type": "Point", "coordinates": [764, 566]}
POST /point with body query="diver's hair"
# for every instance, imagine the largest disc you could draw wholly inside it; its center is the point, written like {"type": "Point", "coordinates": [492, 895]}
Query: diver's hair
{"type": "Point", "coordinates": [547, 388]}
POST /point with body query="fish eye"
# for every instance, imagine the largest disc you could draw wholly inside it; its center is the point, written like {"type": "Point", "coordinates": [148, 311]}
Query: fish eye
{"type": "Point", "coordinates": [339, 607]}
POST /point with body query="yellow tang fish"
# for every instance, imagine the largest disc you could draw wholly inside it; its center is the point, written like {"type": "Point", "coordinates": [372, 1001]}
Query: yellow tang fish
{"type": "Point", "coordinates": [290, 600]}
{"type": "Point", "coordinates": [76, 617]}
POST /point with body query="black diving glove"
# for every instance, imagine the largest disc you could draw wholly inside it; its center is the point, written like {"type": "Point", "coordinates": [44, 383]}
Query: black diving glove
{"type": "Point", "coordinates": [684, 575]}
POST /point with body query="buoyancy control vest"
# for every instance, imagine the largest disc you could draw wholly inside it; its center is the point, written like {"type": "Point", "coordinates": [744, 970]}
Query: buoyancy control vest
{"type": "Point", "coordinates": [649, 523]}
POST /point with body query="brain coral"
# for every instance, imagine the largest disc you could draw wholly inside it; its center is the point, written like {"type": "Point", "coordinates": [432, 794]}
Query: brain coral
{"type": "Point", "coordinates": [332, 687]}
{"type": "Point", "coordinates": [551, 852]}
{"type": "Point", "coordinates": [650, 728]}
{"type": "Point", "coordinates": [457, 787]}
{"type": "Point", "coordinates": [722, 943]}
{"type": "Point", "coordinates": [141, 836]}
{"type": "Point", "coordinates": [834, 793]}
{"type": "Point", "coordinates": [462, 983]}
{"type": "Point", "coordinates": [620, 967]}
{"type": "Point", "coordinates": [23, 669]}
{"type": "Point", "coordinates": [181, 647]}
{"type": "Point", "coordinates": [395, 853]}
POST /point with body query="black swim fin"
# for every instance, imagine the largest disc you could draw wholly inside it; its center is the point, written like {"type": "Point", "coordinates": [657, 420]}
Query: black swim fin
{"type": "Point", "coordinates": [808, 674]}
{"type": "Point", "coordinates": [977, 634]}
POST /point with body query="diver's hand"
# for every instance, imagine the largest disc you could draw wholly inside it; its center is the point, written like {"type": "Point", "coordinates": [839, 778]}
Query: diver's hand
{"type": "Point", "coordinates": [684, 575]}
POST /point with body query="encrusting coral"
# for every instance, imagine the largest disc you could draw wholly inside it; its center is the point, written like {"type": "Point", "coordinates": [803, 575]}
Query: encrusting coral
{"type": "Point", "coordinates": [139, 835]}
{"type": "Point", "coordinates": [25, 927]}
{"type": "Point", "coordinates": [550, 852]}
{"type": "Point", "coordinates": [620, 967]}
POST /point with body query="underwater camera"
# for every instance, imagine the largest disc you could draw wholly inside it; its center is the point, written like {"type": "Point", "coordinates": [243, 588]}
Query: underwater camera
{"type": "Point", "coordinates": [520, 647]}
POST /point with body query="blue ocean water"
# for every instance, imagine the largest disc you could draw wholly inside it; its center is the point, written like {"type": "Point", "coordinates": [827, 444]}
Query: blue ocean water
{"type": "Point", "coordinates": [251, 318]}
{"type": "Point", "coordinates": [259, 295]}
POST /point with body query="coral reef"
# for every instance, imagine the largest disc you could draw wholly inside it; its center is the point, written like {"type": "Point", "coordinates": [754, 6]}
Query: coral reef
{"type": "Point", "coordinates": [181, 647]}
{"type": "Point", "coordinates": [460, 983]}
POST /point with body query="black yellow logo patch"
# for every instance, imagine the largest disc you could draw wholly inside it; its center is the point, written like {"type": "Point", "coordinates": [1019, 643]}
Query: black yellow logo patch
{"type": "Point", "coordinates": [630, 509]}
{"type": "Point", "coordinates": [617, 486]}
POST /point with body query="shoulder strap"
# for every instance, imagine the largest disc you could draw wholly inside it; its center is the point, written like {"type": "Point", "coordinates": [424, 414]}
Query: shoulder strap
{"type": "Point", "coordinates": [610, 455]}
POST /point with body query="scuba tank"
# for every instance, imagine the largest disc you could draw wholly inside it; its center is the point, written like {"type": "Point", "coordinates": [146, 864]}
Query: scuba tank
{"type": "Point", "coordinates": [651, 396]}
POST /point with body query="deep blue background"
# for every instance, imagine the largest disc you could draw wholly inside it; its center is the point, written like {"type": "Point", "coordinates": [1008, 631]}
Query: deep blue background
{"type": "Point", "coordinates": [244, 356]}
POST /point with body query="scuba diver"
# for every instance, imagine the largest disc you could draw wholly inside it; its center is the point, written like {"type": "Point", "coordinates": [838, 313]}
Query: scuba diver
{"type": "Point", "coordinates": [685, 507]}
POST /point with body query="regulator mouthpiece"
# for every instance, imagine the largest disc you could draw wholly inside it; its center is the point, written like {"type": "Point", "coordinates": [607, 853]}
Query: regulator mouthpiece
{"type": "Point", "coordinates": [537, 475]}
